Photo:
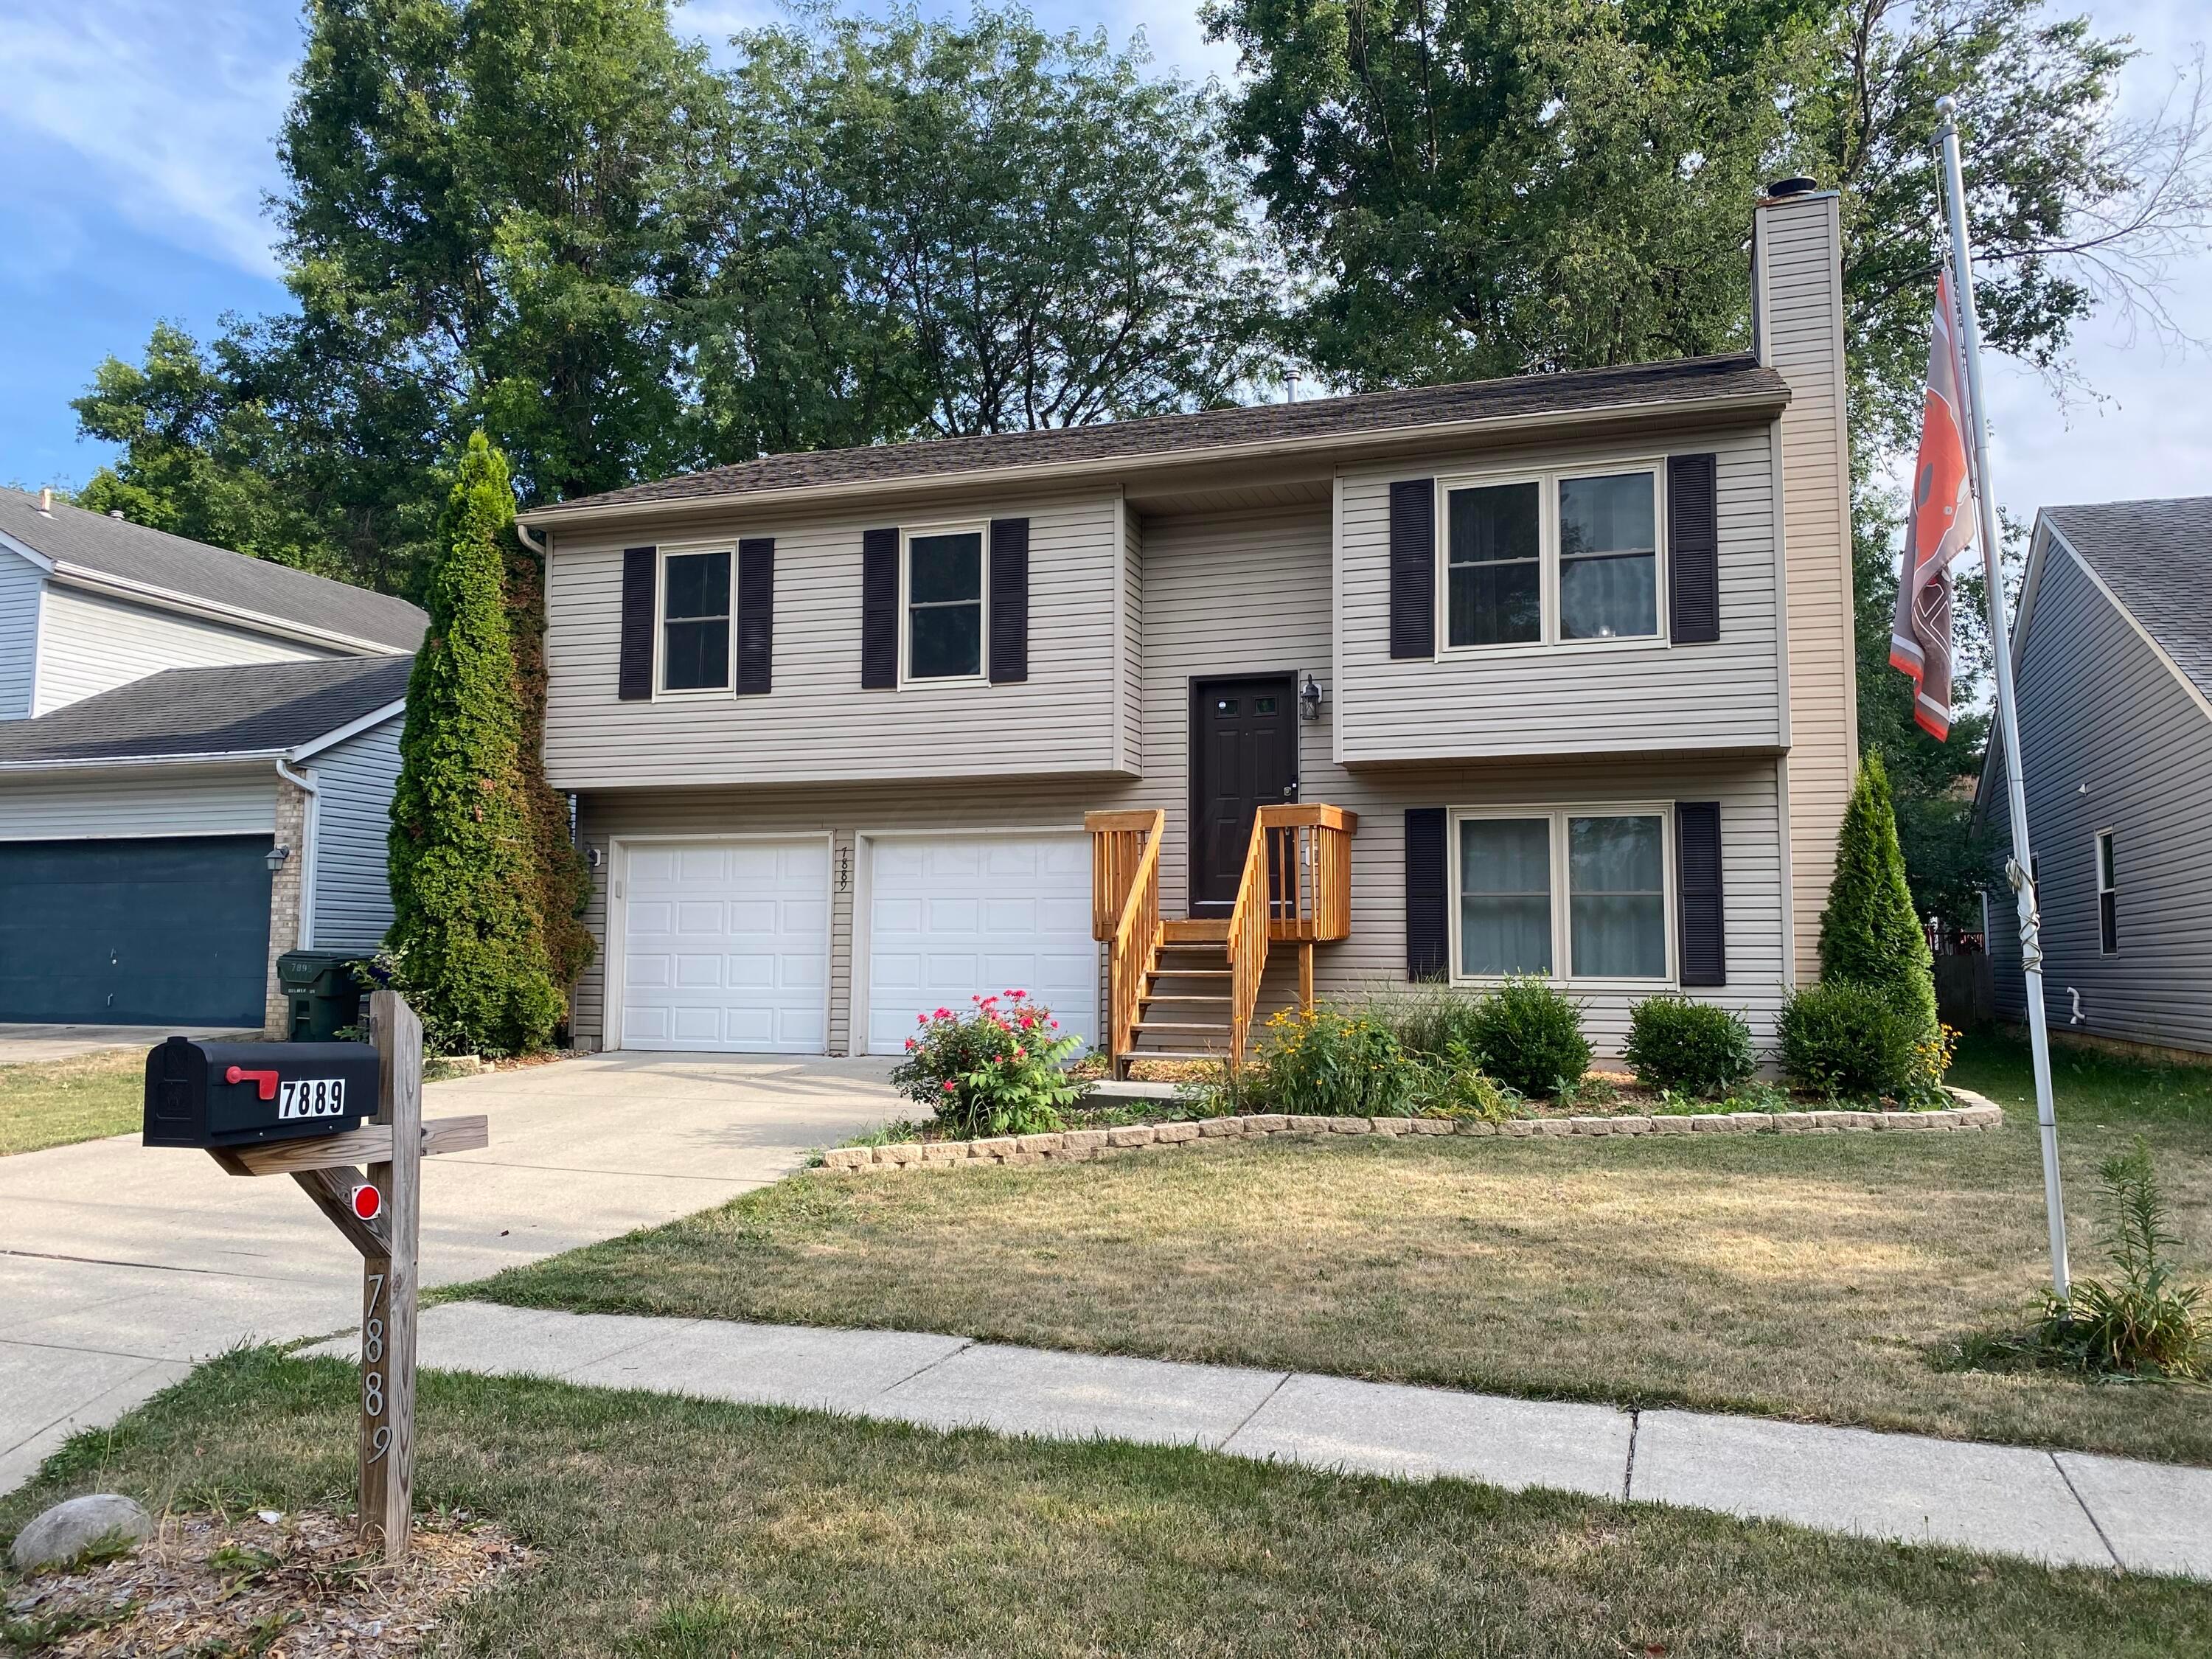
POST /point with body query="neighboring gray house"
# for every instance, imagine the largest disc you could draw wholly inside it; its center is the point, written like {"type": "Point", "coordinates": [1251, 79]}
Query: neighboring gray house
{"type": "Point", "coordinates": [1548, 674]}
{"type": "Point", "coordinates": [197, 757]}
{"type": "Point", "coordinates": [2112, 656]}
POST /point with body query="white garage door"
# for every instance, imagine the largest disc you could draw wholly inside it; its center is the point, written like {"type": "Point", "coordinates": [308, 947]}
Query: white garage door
{"type": "Point", "coordinates": [725, 946]}
{"type": "Point", "coordinates": [957, 916]}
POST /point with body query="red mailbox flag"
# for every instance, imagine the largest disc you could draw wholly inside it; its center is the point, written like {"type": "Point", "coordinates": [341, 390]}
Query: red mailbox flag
{"type": "Point", "coordinates": [1940, 528]}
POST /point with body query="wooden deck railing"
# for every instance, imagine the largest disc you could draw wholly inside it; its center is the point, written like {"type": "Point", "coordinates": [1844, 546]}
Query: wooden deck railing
{"type": "Point", "coordinates": [1124, 909]}
{"type": "Point", "coordinates": [1297, 886]}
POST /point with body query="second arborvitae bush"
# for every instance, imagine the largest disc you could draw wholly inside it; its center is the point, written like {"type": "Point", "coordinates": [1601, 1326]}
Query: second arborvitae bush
{"type": "Point", "coordinates": [1693, 1048]}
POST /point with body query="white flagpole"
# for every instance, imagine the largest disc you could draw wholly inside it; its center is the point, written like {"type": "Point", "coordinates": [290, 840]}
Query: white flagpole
{"type": "Point", "coordinates": [2020, 869]}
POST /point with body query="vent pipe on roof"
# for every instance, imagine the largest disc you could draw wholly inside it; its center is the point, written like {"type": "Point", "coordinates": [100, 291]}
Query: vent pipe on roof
{"type": "Point", "coordinates": [46, 501]}
{"type": "Point", "coordinates": [114, 511]}
{"type": "Point", "coordinates": [1291, 386]}
{"type": "Point", "coordinates": [1782, 189]}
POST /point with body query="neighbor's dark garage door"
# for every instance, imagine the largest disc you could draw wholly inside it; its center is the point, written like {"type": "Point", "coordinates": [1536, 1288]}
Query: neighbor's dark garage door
{"type": "Point", "coordinates": [172, 932]}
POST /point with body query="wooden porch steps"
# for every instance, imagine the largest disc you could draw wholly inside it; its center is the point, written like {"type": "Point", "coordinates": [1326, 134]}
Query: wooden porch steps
{"type": "Point", "coordinates": [1185, 1010]}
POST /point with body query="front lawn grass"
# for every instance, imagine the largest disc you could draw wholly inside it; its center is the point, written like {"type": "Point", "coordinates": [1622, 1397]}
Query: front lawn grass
{"type": "Point", "coordinates": [1811, 1277]}
{"type": "Point", "coordinates": [672, 1529]}
{"type": "Point", "coordinates": [57, 1102]}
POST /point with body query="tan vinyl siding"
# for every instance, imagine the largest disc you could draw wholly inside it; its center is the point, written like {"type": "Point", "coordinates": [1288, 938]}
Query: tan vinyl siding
{"type": "Point", "coordinates": [1577, 699]}
{"type": "Point", "coordinates": [818, 725]}
{"type": "Point", "coordinates": [140, 801]}
{"type": "Point", "coordinates": [1248, 593]}
{"type": "Point", "coordinates": [88, 644]}
{"type": "Point", "coordinates": [1131, 757]}
{"type": "Point", "coordinates": [1800, 310]}
{"type": "Point", "coordinates": [2124, 748]}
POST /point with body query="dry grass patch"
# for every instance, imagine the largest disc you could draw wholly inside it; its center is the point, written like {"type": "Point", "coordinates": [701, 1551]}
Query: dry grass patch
{"type": "Point", "coordinates": [1809, 1277]}
{"type": "Point", "coordinates": [663, 1528]}
{"type": "Point", "coordinates": [57, 1102]}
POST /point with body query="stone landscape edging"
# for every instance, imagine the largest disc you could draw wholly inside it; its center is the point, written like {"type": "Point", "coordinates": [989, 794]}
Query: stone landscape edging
{"type": "Point", "coordinates": [1088, 1145]}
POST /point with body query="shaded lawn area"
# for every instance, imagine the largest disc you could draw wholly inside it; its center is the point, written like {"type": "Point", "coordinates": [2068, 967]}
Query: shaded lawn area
{"type": "Point", "coordinates": [1811, 1277]}
{"type": "Point", "coordinates": [58, 1102]}
{"type": "Point", "coordinates": [674, 1529]}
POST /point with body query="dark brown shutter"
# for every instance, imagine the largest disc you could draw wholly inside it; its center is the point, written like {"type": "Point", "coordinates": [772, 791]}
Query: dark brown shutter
{"type": "Point", "coordinates": [879, 621]}
{"type": "Point", "coordinates": [1428, 931]}
{"type": "Point", "coordinates": [1694, 548]}
{"type": "Point", "coordinates": [756, 614]}
{"type": "Point", "coordinates": [1413, 568]}
{"type": "Point", "coordinates": [1010, 601]}
{"type": "Point", "coordinates": [640, 571]}
{"type": "Point", "coordinates": [1698, 892]}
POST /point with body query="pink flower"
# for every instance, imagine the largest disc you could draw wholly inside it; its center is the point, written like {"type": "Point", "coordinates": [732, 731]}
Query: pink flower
{"type": "Point", "coordinates": [948, 1085]}
{"type": "Point", "coordinates": [921, 1019]}
{"type": "Point", "coordinates": [909, 1043]}
{"type": "Point", "coordinates": [1028, 1022]}
{"type": "Point", "coordinates": [944, 1013]}
{"type": "Point", "coordinates": [1018, 994]}
{"type": "Point", "coordinates": [1055, 1026]}
{"type": "Point", "coordinates": [1021, 1053]}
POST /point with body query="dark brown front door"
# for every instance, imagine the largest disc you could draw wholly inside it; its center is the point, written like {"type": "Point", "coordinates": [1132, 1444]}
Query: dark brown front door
{"type": "Point", "coordinates": [1244, 756]}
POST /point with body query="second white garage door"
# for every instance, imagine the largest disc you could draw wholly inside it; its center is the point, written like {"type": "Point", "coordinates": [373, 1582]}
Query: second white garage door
{"type": "Point", "coordinates": [955, 916]}
{"type": "Point", "coordinates": [725, 946]}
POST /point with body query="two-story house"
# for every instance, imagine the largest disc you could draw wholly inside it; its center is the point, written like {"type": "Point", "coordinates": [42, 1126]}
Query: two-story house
{"type": "Point", "coordinates": [197, 757]}
{"type": "Point", "coordinates": [1164, 722]}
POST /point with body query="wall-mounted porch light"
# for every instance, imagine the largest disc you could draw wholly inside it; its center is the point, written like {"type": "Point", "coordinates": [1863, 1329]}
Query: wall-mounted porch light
{"type": "Point", "coordinates": [275, 858]}
{"type": "Point", "coordinates": [1310, 700]}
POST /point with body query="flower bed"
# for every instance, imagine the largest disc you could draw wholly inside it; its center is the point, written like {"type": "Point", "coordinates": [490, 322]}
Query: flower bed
{"type": "Point", "coordinates": [1972, 1111]}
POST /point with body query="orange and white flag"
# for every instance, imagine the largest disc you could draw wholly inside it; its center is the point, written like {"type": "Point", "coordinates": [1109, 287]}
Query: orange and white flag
{"type": "Point", "coordinates": [1940, 527]}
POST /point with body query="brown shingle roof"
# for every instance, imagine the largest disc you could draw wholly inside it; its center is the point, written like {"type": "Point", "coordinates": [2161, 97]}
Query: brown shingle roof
{"type": "Point", "coordinates": [2157, 557]}
{"type": "Point", "coordinates": [1691, 380]}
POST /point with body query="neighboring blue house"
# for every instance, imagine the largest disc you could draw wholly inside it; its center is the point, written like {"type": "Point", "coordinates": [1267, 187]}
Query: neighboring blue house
{"type": "Point", "coordinates": [197, 751]}
{"type": "Point", "coordinates": [2112, 653]}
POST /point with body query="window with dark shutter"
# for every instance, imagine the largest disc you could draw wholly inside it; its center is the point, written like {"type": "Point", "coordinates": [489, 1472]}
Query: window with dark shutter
{"type": "Point", "coordinates": [879, 610]}
{"type": "Point", "coordinates": [1694, 548]}
{"type": "Point", "coordinates": [1428, 927]}
{"type": "Point", "coordinates": [755, 615]}
{"type": "Point", "coordinates": [635, 676]}
{"type": "Point", "coordinates": [1413, 569]}
{"type": "Point", "coordinates": [1703, 942]}
{"type": "Point", "coordinates": [1010, 601]}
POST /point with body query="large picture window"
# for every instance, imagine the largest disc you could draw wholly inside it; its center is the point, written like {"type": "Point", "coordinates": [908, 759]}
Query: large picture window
{"type": "Point", "coordinates": [1558, 558]}
{"type": "Point", "coordinates": [694, 622]}
{"type": "Point", "coordinates": [1569, 894]}
{"type": "Point", "coordinates": [944, 605]}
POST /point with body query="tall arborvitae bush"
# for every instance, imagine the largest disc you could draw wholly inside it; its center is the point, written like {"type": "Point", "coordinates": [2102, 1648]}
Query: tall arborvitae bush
{"type": "Point", "coordinates": [564, 883]}
{"type": "Point", "coordinates": [469, 947]}
{"type": "Point", "coordinates": [1869, 933]}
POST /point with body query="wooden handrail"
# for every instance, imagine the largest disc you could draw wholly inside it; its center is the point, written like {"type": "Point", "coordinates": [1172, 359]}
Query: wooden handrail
{"type": "Point", "coordinates": [1296, 886]}
{"type": "Point", "coordinates": [1249, 925]}
{"type": "Point", "coordinates": [1125, 910]}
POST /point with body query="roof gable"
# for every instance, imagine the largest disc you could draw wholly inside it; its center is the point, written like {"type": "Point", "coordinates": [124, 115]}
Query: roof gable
{"type": "Point", "coordinates": [2154, 559]}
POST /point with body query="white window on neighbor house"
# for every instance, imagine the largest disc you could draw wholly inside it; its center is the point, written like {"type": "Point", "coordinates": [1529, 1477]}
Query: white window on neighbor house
{"type": "Point", "coordinates": [1575, 893]}
{"type": "Point", "coordinates": [694, 620]}
{"type": "Point", "coordinates": [2108, 895]}
{"type": "Point", "coordinates": [941, 581]}
{"type": "Point", "coordinates": [1553, 558]}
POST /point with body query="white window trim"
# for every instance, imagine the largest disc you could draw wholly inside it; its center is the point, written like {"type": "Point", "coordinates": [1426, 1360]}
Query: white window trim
{"type": "Point", "coordinates": [1562, 909]}
{"type": "Point", "coordinates": [2098, 843]}
{"type": "Point", "coordinates": [982, 531]}
{"type": "Point", "coordinates": [1548, 481]}
{"type": "Point", "coordinates": [661, 693]}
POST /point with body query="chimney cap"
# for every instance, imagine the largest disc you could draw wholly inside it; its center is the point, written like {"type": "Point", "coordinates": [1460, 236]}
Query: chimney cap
{"type": "Point", "coordinates": [1796, 185]}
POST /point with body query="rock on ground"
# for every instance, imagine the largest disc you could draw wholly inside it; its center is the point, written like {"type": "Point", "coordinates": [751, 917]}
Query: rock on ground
{"type": "Point", "coordinates": [69, 1529]}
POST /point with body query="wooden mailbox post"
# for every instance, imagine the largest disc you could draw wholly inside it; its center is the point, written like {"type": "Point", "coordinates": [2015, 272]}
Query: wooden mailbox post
{"type": "Point", "coordinates": [392, 1143]}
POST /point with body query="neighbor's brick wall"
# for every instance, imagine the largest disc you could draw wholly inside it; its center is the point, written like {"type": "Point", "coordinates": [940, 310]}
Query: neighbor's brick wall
{"type": "Point", "coordinates": [284, 892]}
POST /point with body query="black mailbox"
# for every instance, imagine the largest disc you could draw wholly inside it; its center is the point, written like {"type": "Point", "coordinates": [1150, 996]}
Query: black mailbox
{"type": "Point", "coordinates": [240, 1094]}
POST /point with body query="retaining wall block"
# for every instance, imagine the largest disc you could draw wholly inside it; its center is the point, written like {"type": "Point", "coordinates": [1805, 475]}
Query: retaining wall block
{"type": "Point", "coordinates": [1214, 1127]}
{"type": "Point", "coordinates": [997, 1147]}
{"type": "Point", "coordinates": [1132, 1134]}
{"type": "Point", "coordinates": [1393, 1126]}
{"type": "Point", "coordinates": [1348, 1125]}
{"type": "Point", "coordinates": [1631, 1126]}
{"type": "Point", "coordinates": [1168, 1134]}
{"type": "Point", "coordinates": [1670, 1123]}
{"type": "Point", "coordinates": [1589, 1126]}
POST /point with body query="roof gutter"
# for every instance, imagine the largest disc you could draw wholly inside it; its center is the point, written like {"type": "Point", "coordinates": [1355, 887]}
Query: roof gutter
{"type": "Point", "coordinates": [1260, 449]}
{"type": "Point", "coordinates": [112, 763]}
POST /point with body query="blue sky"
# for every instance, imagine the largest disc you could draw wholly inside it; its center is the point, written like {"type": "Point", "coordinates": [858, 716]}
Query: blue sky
{"type": "Point", "coordinates": [137, 140]}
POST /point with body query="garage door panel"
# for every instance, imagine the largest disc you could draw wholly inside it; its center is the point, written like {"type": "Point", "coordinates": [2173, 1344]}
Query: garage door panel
{"type": "Point", "coordinates": [728, 946]}
{"type": "Point", "coordinates": [963, 916]}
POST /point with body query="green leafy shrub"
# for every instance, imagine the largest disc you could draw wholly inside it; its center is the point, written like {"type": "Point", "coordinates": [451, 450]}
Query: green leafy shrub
{"type": "Point", "coordinates": [2141, 1323]}
{"type": "Point", "coordinates": [1691, 1047]}
{"type": "Point", "coordinates": [1869, 933]}
{"type": "Point", "coordinates": [995, 1070]}
{"type": "Point", "coordinates": [467, 941]}
{"type": "Point", "coordinates": [1327, 1062]}
{"type": "Point", "coordinates": [1529, 1034]}
{"type": "Point", "coordinates": [1848, 1041]}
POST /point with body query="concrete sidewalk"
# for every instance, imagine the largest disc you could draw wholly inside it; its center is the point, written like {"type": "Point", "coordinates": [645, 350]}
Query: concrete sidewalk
{"type": "Point", "coordinates": [120, 1265]}
{"type": "Point", "coordinates": [2067, 1507]}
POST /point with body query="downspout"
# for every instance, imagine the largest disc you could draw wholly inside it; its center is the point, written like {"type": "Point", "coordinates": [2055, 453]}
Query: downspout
{"type": "Point", "coordinates": [306, 785]}
{"type": "Point", "coordinates": [535, 544]}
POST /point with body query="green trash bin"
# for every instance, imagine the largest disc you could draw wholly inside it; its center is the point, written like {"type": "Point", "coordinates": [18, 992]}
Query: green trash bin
{"type": "Point", "coordinates": [323, 995]}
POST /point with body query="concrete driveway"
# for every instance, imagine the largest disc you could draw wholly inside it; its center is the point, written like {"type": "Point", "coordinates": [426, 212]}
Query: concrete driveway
{"type": "Point", "coordinates": [23, 1044]}
{"type": "Point", "coordinates": [120, 1265]}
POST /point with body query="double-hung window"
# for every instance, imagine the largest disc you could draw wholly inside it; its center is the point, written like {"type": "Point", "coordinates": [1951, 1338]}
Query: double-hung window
{"type": "Point", "coordinates": [2108, 896]}
{"type": "Point", "coordinates": [694, 622]}
{"type": "Point", "coordinates": [1553, 558]}
{"type": "Point", "coordinates": [1578, 894]}
{"type": "Point", "coordinates": [943, 577]}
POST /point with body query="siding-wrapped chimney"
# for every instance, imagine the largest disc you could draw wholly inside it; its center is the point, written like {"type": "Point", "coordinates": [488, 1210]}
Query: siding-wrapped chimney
{"type": "Point", "coordinates": [1797, 325]}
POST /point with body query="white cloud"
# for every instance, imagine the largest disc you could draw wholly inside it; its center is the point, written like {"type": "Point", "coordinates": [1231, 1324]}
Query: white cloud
{"type": "Point", "coordinates": [169, 111]}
